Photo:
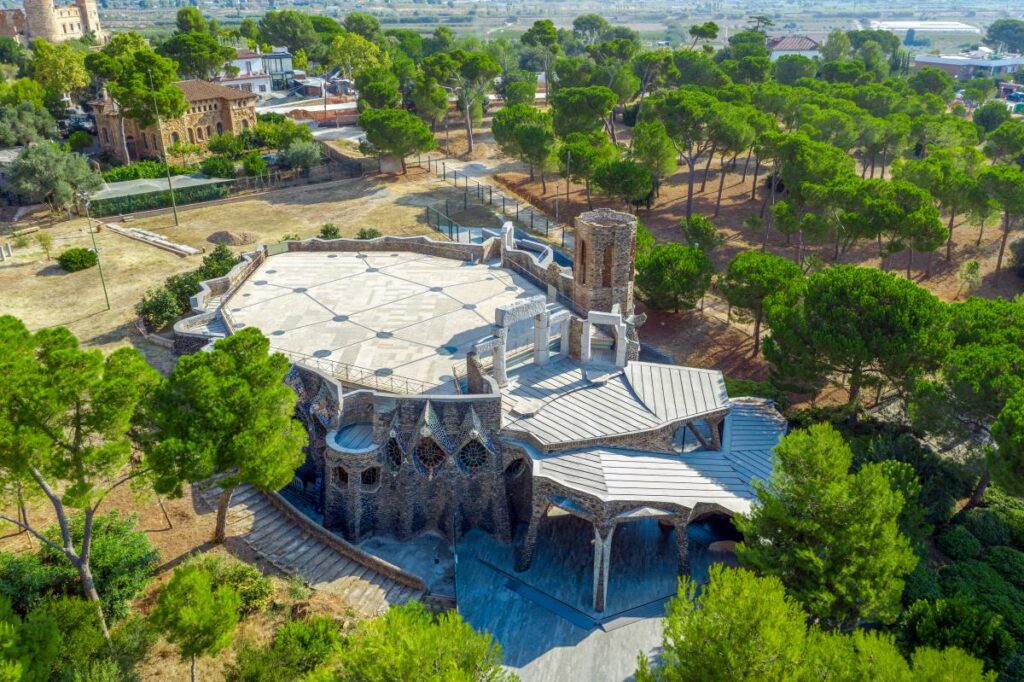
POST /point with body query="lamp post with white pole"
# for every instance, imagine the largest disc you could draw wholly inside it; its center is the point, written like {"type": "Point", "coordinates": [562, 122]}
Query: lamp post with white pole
{"type": "Point", "coordinates": [92, 235]}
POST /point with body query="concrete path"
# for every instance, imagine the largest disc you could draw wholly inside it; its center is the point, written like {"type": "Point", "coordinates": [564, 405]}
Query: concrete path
{"type": "Point", "coordinates": [282, 542]}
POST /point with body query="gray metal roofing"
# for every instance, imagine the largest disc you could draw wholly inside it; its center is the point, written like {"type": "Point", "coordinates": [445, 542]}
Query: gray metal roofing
{"type": "Point", "coordinates": [358, 436]}
{"type": "Point", "coordinates": [723, 477]}
{"type": "Point", "coordinates": [564, 406]}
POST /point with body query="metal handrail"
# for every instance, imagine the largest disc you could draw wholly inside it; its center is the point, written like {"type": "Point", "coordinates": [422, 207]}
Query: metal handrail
{"type": "Point", "coordinates": [361, 376]}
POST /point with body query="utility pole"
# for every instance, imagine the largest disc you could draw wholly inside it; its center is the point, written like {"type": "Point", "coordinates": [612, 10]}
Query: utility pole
{"type": "Point", "coordinates": [568, 170]}
{"type": "Point", "coordinates": [167, 167]}
{"type": "Point", "coordinates": [99, 261]}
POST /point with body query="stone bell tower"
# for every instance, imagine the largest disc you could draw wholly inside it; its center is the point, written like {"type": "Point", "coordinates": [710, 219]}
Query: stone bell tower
{"type": "Point", "coordinates": [605, 260]}
{"type": "Point", "coordinates": [41, 20]}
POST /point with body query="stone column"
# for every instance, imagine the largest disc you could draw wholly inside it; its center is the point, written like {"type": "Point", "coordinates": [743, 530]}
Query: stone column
{"type": "Point", "coordinates": [499, 356]}
{"type": "Point", "coordinates": [681, 545]}
{"type": "Point", "coordinates": [716, 438]}
{"type": "Point", "coordinates": [541, 338]}
{"type": "Point", "coordinates": [602, 562]}
{"type": "Point", "coordinates": [563, 341]}
{"type": "Point", "coordinates": [525, 558]}
{"type": "Point", "coordinates": [585, 342]}
{"type": "Point", "coordinates": [620, 345]}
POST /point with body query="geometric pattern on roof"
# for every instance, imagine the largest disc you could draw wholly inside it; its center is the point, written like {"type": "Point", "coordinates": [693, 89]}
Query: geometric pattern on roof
{"type": "Point", "coordinates": [792, 44]}
{"type": "Point", "coordinates": [654, 479]}
{"type": "Point", "coordinates": [563, 406]}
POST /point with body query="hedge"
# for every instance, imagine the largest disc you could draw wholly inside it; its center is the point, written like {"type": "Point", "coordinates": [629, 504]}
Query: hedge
{"type": "Point", "coordinates": [152, 200]}
{"type": "Point", "coordinates": [958, 543]}
{"type": "Point", "coordinates": [77, 259]}
{"type": "Point", "coordinates": [142, 170]}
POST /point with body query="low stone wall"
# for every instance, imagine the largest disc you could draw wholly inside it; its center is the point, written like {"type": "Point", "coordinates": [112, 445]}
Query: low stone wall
{"type": "Point", "coordinates": [424, 245]}
{"type": "Point", "coordinates": [219, 286]}
{"type": "Point", "coordinates": [190, 334]}
{"type": "Point", "coordinates": [346, 549]}
{"type": "Point", "coordinates": [535, 261]}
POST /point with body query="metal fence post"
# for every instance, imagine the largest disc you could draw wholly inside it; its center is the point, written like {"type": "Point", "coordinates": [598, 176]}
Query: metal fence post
{"type": "Point", "coordinates": [490, 195]}
{"type": "Point", "coordinates": [502, 205]}
{"type": "Point", "coordinates": [531, 221]}
{"type": "Point", "coordinates": [444, 170]}
{"type": "Point", "coordinates": [465, 199]}
{"type": "Point", "coordinates": [517, 209]}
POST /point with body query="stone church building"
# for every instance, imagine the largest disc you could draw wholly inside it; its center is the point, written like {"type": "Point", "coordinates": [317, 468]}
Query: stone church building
{"type": "Point", "coordinates": [212, 109]}
{"type": "Point", "coordinates": [43, 19]}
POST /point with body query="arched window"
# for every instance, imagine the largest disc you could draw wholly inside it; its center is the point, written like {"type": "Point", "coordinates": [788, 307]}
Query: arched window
{"type": "Point", "coordinates": [515, 468]}
{"type": "Point", "coordinates": [209, 131]}
{"type": "Point", "coordinates": [429, 456]}
{"type": "Point", "coordinates": [245, 124]}
{"type": "Point", "coordinates": [191, 136]}
{"type": "Point", "coordinates": [393, 456]}
{"type": "Point", "coordinates": [339, 477]}
{"type": "Point", "coordinates": [369, 479]}
{"type": "Point", "coordinates": [199, 133]}
{"type": "Point", "coordinates": [175, 138]}
{"type": "Point", "coordinates": [220, 127]}
{"type": "Point", "coordinates": [472, 457]}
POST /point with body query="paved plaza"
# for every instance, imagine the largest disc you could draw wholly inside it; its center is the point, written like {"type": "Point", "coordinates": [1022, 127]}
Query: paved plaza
{"type": "Point", "coordinates": [399, 314]}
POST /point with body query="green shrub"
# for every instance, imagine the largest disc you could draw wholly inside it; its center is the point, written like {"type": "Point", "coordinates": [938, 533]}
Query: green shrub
{"type": "Point", "coordinates": [79, 140]}
{"type": "Point", "coordinates": [77, 259]}
{"type": "Point", "coordinates": [151, 200]}
{"type": "Point", "coordinates": [25, 580]}
{"type": "Point", "coordinates": [226, 143]}
{"type": "Point", "coordinates": [957, 623]}
{"type": "Point", "coordinates": [330, 231]}
{"type": "Point", "coordinates": [302, 645]}
{"type": "Point", "coordinates": [254, 164]}
{"type": "Point", "coordinates": [980, 583]}
{"type": "Point", "coordinates": [986, 525]}
{"type": "Point", "coordinates": [368, 233]}
{"type": "Point", "coordinates": [183, 287]}
{"type": "Point", "coordinates": [942, 482]}
{"type": "Point", "coordinates": [79, 624]}
{"type": "Point", "coordinates": [217, 263]}
{"type": "Point", "coordinates": [254, 589]}
{"type": "Point", "coordinates": [921, 584]}
{"type": "Point", "coordinates": [756, 389]}
{"type": "Point", "coordinates": [218, 167]}
{"type": "Point", "coordinates": [141, 170]}
{"type": "Point", "coordinates": [123, 561]}
{"type": "Point", "coordinates": [958, 543]}
{"type": "Point", "coordinates": [1008, 563]}
{"type": "Point", "coordinates": [1017, 256]}
{"type": "Point", "coordinates": [159, 308]}
{"type": "Point", "coordinates": [1011, 510]}
{"type": "Point", "coordinates": [254, 664]}
{"type": "Point", "coordinates": [130, 641]}
{"type": "Point", "coordinates": [300, 154]}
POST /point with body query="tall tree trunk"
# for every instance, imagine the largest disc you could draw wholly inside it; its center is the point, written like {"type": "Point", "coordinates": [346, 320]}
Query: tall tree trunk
{"type": "Point", "coordinates": [835, 254]}
{"type": "Point", "coordinates": [543, 181]}
{"type": "Point", "coordinates": [469, 125]}
{"type": "Point", "coordinates": [689, 187]}
{"type": "Point", "coordinates": [753, 186]}
{"type": "Point", "coordinates": [611, 127]}
{"type": "Point", "coordinates": [979, 491]}
{"type": "Point", "coordinates": [707, 168]}
{"type": "Point", "coordinates": [404, 169]}
{"type": "Point", "coordinates": [764, 234]}
{"type": "Point", "coordinates": [799, 247]}
{"type": "Point", "coordinates": [223, 504]}
{"type": "Point", "coordinates": [721, 185]}
{"type": "Point", "coordinates": [531, 172]}
{"type": "Point", "coordinates": [746, 164]}
{"type": "Point", "coordinates": [1002, 242]}
{"type": "Point", "coordinates": [757, 335]}
{"type": "Point", "coordinates": [864, 170]}
{"type": "Point", "coordinates": [89, 589]}
{"type": "Point", "coordinates": [853, 401]}
{"type": "Point", "coordinates": [949, 242]}
{"type": "Point", "coordinates": [910, 261]}
{"type": "Point", "coordinates": [928, 265]}
{"type": "Point", "coordinates": [881, 169]}
{"type": "Point", "coordinates": [590, 199]}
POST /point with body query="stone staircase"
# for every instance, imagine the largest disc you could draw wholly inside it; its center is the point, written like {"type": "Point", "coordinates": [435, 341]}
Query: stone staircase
{"type": "Point", "coordinates": [311, 554]}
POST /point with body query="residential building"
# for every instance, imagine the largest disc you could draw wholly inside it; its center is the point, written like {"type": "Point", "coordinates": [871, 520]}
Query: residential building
{"type": "Point", "coordinates": [278, 63]}
{"type": "Point", "coordinates": [247, 73]}
{"type": "Point", "coordinates": [43, 19]}
{"type": "Point", "coordinates": [980, 63]}
{"type": "Point", "coordinates": [801, 45]}
{"type": "Point", "coordinates": [212, 109]}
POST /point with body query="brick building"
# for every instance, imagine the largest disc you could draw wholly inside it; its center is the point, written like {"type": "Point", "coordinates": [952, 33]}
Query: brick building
{"type": "Point", "coordinates": [42, 19]}
{"type": "Point", "coordinates": [212, 109]}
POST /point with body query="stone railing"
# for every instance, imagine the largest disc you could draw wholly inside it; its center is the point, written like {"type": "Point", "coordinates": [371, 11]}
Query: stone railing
{"type": "Point", "coordinates": [360, 376]}
{"type": "Point", "coordinates": [454, 250]}
{"type": "Point", "coordinates": [344, 548]}
{"type": "Point", "coordinates": [224, 286]}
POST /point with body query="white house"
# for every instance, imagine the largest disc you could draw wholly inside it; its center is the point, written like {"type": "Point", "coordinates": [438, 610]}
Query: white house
{"type": "Point", "coordinates": [251, 77]}
{"type": "Point", "coordinates": [801, 45]}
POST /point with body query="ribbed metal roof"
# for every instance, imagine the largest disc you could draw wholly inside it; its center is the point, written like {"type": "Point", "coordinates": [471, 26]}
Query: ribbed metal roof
{"type": "Point", "coordinates": [752, 430]}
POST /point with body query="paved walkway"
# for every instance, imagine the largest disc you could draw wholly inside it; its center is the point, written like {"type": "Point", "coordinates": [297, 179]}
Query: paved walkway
{"type": "Point", "coordinates": [282, 542]}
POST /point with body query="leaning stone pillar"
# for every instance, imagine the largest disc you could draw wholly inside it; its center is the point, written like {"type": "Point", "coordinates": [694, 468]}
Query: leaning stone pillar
{"type": "Point", "coordinates": [602, 562]}
{"type": "Point", "coordinates": [500, 350]}
{"type": "Point", "coordinates": [525, 558]}
{"type": "Point", "coordinates": [541, 338]}
{"type": "Point", "coordinates": [716, 437]}
{"type": "Point", "coordinates": [682, 542]}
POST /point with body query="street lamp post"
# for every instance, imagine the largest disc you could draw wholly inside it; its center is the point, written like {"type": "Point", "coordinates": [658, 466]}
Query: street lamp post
{"type": "Point", "coordinates": [99, 261]}
{"type": "Point", "coordinates": [167, 167]}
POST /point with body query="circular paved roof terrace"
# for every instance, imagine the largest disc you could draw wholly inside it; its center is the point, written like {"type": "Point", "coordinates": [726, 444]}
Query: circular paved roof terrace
{"type": "Point", "coordinates": [399, 314]}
